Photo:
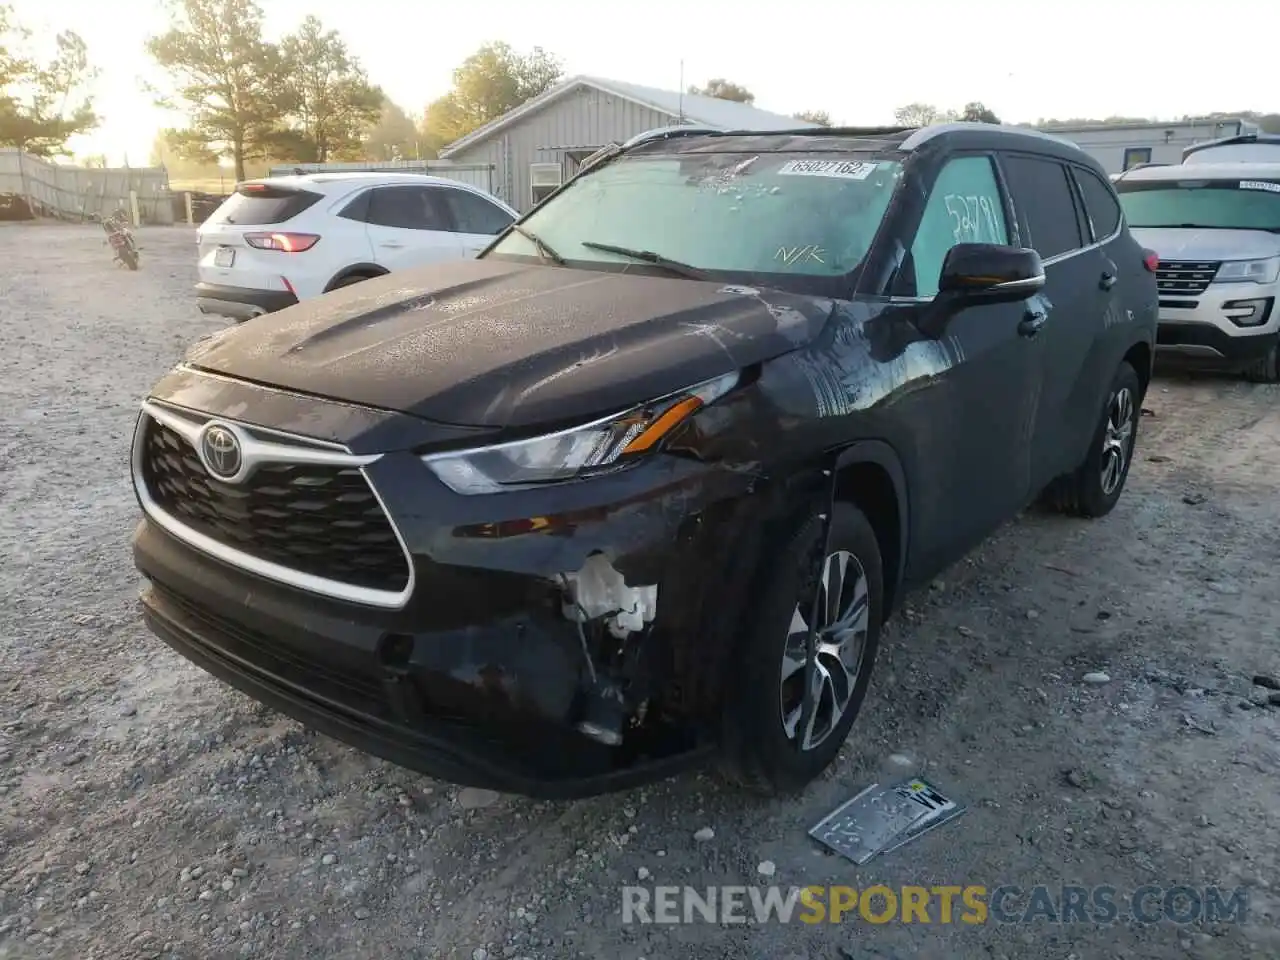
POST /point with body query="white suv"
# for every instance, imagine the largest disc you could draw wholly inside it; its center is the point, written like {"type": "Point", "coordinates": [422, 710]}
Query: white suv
{"type": "Point", "coordinates": [1216, 229]}
{"type": "Point", "coordinates": [277, 241]}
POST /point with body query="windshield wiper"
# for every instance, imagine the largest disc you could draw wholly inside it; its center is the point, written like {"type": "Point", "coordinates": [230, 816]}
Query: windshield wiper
{"type": "Point", "coordinates": [648, 256]}
{"type": "Point", "coordinates": [544, 250]}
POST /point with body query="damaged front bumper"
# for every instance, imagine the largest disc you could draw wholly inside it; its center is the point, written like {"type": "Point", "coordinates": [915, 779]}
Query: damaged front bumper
{"type": "Point", "coordinates": [554, 642]}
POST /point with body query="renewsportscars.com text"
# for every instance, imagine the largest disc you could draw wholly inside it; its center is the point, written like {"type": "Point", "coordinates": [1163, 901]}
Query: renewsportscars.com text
{"type": "Point", "coordinates": [971, 904]}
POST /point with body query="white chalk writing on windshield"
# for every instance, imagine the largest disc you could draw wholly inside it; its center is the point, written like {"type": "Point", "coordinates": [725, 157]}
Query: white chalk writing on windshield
{"type": "Point", "coordinates": [974, 219]}
{"type": "Point", "coordinates": [793, 255]}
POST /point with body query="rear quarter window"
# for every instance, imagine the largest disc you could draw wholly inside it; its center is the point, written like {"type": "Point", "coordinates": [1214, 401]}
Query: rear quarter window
{"type": "Point", "coordinates": [1044, 203]}
{"type": "Point", "coordinates": [1100, 203]}
{"type": "Point", "coordinates": [252, 205]}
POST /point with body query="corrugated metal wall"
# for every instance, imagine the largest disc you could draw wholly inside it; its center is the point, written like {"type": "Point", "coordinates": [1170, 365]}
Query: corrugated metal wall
{"type": "Point", "coordinates": [479, 175]}
{"type": "Point", "coordinates": [77, 193]}
{"type": "Point", "coordinates": [584, 119]}
{"type": "Point", "coordinates": [1165, 141]}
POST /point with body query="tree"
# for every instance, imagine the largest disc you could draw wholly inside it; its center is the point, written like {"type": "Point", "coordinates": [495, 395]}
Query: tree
{"type": "Point", "coordinates": [722, 89]}
{"type": "Point", "coordinates": [820, 117]}
{"type": "Point", "coordinates": [329, 99]}
{"type": "Point", "coordinates": [225, 77]}
{"type": "Point", "coordinates": [492, 81]}
{"type": "Point", "coordinates": [393, 137]}
{"type": "Point", "coordinates": [1086, 121]}
{"type": "Point", "coordinates": [922, 114]}
{"type": "Point", "coordinates": [42, 105]}
{"type": "Point", "coordinates": [444, 121]}
{"type": "Point", "coordinates": [976, 112]}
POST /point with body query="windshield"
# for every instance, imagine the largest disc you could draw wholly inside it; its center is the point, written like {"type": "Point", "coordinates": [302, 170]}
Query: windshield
{"type": "Point", "coordinates": [780, 215]}
{"type": "Point", "coordinates": [1212, 204]}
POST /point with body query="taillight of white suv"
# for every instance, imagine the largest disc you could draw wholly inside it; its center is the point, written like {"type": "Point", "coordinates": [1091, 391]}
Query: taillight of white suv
{"type": "Point", "coordinates": [283, 242]}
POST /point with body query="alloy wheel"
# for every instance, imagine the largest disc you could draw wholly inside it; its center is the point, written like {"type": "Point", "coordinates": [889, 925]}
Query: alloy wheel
{"type": "Point", "coordinates": [840, 641]}
{"type": "Point", "coordinates": [1117, 440]}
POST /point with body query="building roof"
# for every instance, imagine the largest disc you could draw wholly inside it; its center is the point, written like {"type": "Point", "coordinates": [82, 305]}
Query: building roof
{"type": "Point", "coordinates": [708, 111]}
{"type": "Point", "coordinates": [1193, 122]}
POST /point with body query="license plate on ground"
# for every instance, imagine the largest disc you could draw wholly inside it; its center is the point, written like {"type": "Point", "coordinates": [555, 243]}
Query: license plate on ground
{"type": "Point", "coordinates": [225, 257]}
{"type": "Point", "coordinates": [883, 818]}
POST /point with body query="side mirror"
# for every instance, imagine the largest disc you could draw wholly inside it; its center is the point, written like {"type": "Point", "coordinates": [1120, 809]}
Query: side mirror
{"type": "Point", "coordinates": [990, 273]}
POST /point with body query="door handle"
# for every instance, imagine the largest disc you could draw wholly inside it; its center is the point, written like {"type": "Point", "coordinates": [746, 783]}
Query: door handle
{"type": "Point", "coordinates": [391, 244]}
{"type": "Point", "coordinates": [1032, 322]}
{"type": "Point", "coordinates": [1108, 280]}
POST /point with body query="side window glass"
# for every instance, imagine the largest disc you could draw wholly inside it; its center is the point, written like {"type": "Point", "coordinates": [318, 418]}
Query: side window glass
{"type": "Point", "coordinates": [1044, 203]}
{"type": "Point", "coordinates": [358, 208]}
{"type": "Point", "coordinates": [1099, 202]}
{"type": "Point", "coordinates": [475, 214]}
{"type": "Point", "coordinates": [964, 206]}
{"type": "Point", "coordinates": [408, 208]}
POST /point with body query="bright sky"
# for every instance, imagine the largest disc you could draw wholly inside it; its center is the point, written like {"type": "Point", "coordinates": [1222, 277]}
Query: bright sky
{"type": "Point", "coordinates": [857, 60]}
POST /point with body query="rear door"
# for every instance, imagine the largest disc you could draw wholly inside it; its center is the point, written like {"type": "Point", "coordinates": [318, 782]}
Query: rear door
{"type": "Point", "coordinates": [408, 226]}
{"type": "Point", "coordinates": [1121, 281]}
{"type": "Point", "coordinates": [1052, 222]}
{"type": "Point", "coordinates": [476, 219]}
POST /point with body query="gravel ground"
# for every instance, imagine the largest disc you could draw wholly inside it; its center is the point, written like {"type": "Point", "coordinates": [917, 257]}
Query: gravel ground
{"type": "Point", "coordinates": [146, 810]}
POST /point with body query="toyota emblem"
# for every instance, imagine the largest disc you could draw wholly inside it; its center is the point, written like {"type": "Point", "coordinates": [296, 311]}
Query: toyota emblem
{"type": "Point", "coordinates": [220, 450]}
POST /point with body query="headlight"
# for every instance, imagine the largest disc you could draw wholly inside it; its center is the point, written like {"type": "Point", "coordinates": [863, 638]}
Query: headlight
{"type": "Point", "coordinates": [580, 450]}
{"type": "Point", "coordinates": [1259, 271]}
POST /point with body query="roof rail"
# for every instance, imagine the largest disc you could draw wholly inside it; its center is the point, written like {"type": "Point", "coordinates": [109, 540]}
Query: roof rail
{"type": "Point", "coordinates": [1263, 138]}
{"type": "Point", "coordinates": [924, 134]}
{"type": "Point", "coordinates": [684, 130]}
{"type": "Point", "coordinates": [666, 133]}
{"type": "Point", "coordinates": [1143, 166]}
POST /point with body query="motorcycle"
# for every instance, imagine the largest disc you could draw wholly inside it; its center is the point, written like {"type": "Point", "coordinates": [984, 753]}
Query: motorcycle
{"type": "Point", "coordinates": [121, 239]}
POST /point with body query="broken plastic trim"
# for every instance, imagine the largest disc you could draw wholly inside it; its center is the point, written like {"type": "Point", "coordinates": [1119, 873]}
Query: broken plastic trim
{"type": "Point", "coordinates": [567, 454]}
{"type": "Point", "coordinates": [595, 591]}
{"type": "Point", "coordinates": [598, 590]}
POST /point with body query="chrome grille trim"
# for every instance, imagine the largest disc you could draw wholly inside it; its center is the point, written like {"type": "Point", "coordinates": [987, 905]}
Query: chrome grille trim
{"type": "Point", "coordinates": [298, 450]}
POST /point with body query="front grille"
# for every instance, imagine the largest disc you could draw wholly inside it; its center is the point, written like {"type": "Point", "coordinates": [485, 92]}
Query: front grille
{"type": "Point", "coordinates": [321, 520]}
{"type": "Point", "coordinates": [1185, 277]}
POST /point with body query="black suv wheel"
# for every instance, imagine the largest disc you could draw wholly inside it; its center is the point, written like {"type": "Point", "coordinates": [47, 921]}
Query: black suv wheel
{"type": "Point", "coordinates": [788, 714]}
{"type": "Point", "coordinates": [1094, 487]}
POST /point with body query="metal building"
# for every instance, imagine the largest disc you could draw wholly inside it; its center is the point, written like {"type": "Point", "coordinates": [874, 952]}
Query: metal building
{"type": "Point", "coordinates": [1121, 146]}
{"type": "Point", "coordinates": [538, 145]}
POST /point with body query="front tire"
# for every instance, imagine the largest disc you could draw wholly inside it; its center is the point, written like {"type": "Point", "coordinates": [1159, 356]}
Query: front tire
{"type": "Point", "coordinates": [129, 258]}
{"type": "Point", "coordinates": [1094, 487]}
{"type": "Point", "coordinates": [1266, 369]}
{"type": "Point", "coordinates": [774, 741]}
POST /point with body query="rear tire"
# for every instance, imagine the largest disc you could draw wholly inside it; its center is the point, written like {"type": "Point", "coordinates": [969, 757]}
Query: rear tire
{"type": "Point", "coordinates": [349, 281]}
{"type": "Point", "coordinates": [1267, 369]}
{"type": "Point", "coordinates": [765, 746]}
{"type": "Point", "coordinates": [1094, 487]}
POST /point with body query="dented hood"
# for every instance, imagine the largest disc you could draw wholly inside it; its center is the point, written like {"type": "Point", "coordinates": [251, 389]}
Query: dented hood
{"type": "Point", "coordinates": [497, 344]}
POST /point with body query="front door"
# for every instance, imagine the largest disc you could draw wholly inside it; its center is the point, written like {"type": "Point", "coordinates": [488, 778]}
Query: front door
{"type": "Point", "coordinates": [407, 227]}
{"type": "Point", "coordinates": [474, 219]}
{"type": "Point", "coordinates": [976, 420]}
